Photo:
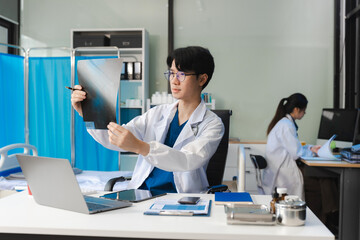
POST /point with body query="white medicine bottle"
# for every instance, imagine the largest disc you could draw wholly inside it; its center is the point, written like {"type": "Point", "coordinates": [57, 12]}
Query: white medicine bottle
{"type": "Point", "coordinates": [282, 193]}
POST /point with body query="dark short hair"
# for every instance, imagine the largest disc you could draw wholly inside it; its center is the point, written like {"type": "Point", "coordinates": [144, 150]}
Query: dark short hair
{"type": "Point", "coordinates": [193, 58]}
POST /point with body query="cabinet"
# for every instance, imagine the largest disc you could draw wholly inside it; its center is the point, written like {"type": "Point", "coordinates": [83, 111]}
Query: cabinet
{"type": "Point", "coordinates": [162, 98]}
{"type": "Point", "coordinates": [133, 50]}
{"type": "Point", "coordinates": [131, 45]}
{"type": "Point", "coordinates": [232, 162]}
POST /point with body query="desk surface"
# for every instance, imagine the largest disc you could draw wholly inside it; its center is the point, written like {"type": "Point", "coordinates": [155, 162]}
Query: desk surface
{"type": "Point", "coordinates": [24, 216]}
{"type": "Point", "coordinates": [334, 163]}
{"type": "Point", "coordinates": [236, 141]}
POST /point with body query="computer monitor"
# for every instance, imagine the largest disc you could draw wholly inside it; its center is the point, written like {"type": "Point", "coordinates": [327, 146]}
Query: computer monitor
{"type": "Point", "coordinates": [341, 122]}
{"type": "Point", "coordinates": [357, 129]}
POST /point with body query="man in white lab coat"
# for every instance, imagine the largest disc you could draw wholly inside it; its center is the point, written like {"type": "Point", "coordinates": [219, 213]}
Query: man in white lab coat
{"type": "Point", "coordinates": [174, 141]}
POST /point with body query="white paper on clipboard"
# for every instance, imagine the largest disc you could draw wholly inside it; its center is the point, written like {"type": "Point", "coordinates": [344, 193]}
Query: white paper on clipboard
{"type": "Point", "coordinates": [172, 207]}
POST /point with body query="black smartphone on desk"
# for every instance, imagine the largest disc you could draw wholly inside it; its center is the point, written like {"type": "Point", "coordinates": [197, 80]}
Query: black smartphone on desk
{"type": "Point", "coordinates": [189, 200]}
{"type": "Point", "coordinates": [132, 195]}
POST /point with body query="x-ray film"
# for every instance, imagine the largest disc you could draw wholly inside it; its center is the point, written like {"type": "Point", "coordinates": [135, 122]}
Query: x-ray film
{"type": "Point", "coordinates": [100, 79]}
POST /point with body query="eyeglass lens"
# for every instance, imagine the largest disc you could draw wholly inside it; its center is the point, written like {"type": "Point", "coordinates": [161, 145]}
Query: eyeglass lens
{"type": "Point", "coordinates": [169, 75]}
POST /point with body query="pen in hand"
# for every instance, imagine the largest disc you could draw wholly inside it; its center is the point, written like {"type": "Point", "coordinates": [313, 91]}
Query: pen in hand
{"type": "Point", "coordinates": [72, 89]}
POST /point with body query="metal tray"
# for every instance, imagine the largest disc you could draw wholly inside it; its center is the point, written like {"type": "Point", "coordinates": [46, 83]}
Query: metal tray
{"type": "Point", "coordinates": [254, 214]}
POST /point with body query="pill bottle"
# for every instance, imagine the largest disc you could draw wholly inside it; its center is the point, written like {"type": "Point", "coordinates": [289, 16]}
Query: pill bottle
{"type": "Point", "coordinates": [282, 193]}
{"type": "Point", "coordinates": [275, 199]}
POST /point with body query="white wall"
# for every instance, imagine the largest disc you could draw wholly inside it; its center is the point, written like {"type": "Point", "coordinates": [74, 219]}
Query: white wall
{"type": "Point", "coordinates": [48, 23]}
{"type": "Point", "coordinates": [3, 39]}
{"type": "Point", "coordinates": [264, 50]}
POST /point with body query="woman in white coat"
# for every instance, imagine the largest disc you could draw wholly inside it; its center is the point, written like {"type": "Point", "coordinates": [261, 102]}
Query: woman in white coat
{"type": "Point", "coordinates": [283, 148]}
{"type": "Point", "coordinates": [174, 141]}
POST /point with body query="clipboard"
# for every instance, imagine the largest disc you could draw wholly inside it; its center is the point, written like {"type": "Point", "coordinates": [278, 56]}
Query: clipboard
{"type": "Point", "coordinates": [170, 207]}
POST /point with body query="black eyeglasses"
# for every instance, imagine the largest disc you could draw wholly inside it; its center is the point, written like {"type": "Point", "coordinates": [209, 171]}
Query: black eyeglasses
{"type": "Point", "coordinates": [170, 75]}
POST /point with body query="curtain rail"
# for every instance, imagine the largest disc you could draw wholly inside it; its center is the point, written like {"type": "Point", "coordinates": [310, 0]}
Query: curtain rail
{"type": "Point", "coordinates": [13, 46]}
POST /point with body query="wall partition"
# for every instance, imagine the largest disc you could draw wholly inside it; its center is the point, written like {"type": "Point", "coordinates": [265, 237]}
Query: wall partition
{"type": "Point", "coordinates": [35, 107]}
{"type": "Point", "coordinates": [12, 101]}
{"type": "Point", "coordinates": [50, 113]}
{"type": "Point", "coordinates": [49, 109]}
{"type": "Point", "coordinates": [86, 152]}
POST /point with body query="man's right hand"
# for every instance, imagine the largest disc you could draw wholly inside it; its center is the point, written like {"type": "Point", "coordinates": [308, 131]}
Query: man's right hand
{"type": "Point", "coordinates": [76, 98]}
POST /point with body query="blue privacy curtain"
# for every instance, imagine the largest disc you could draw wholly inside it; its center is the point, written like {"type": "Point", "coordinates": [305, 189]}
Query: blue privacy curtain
{"type": "Point", "coordinates": [12, 113]}
{"type": "Point", "coordinates": [91, 155]}
{"type": "Point", "coordinates": [49, 105]}
{"type": "Point", "coordinates": [49, 117]}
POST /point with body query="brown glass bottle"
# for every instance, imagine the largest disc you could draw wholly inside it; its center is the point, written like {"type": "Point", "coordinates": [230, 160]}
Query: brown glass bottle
{"type": "Point", "coordinates": [275, 199]}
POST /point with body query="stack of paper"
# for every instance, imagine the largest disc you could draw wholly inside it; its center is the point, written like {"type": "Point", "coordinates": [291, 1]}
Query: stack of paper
{"type": "Point", "coordinates": [324, 153]}
{"type": "Point", "coordinates": [350, 156]}
{"type": "Point", "coordinates": [325, 150]}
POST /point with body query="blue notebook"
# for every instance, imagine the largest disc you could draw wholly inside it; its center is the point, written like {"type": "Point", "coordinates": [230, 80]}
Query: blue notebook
{"type": "Point", "coordinates": [233, 197]}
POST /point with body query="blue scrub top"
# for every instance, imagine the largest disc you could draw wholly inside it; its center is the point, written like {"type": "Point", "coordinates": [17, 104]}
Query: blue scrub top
{"type": "Point", "coordinates": [160, 181]}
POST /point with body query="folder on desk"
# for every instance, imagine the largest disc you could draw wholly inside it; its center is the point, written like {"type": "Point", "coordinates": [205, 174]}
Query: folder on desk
{"type": "Point", "coordinates": [170, 207]}
{"type": "Point", "coordinates": [233, 197]}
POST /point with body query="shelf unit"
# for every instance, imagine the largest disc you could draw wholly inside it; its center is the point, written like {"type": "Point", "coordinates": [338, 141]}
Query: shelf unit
{"type": "Point", "coordinates": [133, 46]}
{"type": "Point", "coordinates": [149, 104]}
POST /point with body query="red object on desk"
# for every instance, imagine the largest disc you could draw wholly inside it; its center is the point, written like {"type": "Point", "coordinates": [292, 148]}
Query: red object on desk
{"type": "Point", "coordinates": [29, 190]}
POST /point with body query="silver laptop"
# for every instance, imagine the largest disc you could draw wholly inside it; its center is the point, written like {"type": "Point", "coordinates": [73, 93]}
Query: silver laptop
{"type": "Point", "coordinates": [52, 183]}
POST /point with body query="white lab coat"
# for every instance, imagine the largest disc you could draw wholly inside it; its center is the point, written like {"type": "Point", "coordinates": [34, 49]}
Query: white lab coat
{"type": "Point", "coordinates": [190, 154]}
{"type": "Point", "coordinates": [282, 149]}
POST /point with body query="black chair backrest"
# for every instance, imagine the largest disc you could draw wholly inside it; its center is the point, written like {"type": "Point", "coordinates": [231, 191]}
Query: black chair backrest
{"type": "Point", "coordinates": [216, 167]}
{"type": "Point", "coordinates": [258, 161]}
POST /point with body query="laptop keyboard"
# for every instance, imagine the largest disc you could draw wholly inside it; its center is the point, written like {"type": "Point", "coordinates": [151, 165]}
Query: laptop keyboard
{"type": "Point", "coordinates": [95, 203]}
{"type": "Point", "coordinates": [96, 206]}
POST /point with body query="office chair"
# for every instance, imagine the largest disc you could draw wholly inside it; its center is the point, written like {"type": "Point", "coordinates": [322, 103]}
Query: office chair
{"type": "Point", "coordinates": [259, 164]}
{"type": "Point", "coordinates": [216, 167]}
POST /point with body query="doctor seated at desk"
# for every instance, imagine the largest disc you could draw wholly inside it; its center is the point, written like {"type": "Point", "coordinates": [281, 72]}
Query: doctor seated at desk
{"type": "Point", "coordinates": [174, 141]}
{"type": "Point", "coordinates": [283, 148]}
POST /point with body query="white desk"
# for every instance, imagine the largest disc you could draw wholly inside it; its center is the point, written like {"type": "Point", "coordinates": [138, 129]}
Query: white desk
{"type": "Point", "coordinates": [21, 215]}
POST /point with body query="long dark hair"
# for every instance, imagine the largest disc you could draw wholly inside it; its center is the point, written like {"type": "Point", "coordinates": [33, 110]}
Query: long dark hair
{"type": "Point", "coordinates": [287, 105]}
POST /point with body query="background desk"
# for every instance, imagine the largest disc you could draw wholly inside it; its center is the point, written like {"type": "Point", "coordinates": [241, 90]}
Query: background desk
{"type": "Point", "coordinates": [20, 215]}
{"type": "Point", "coordinates": [349, 181]}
